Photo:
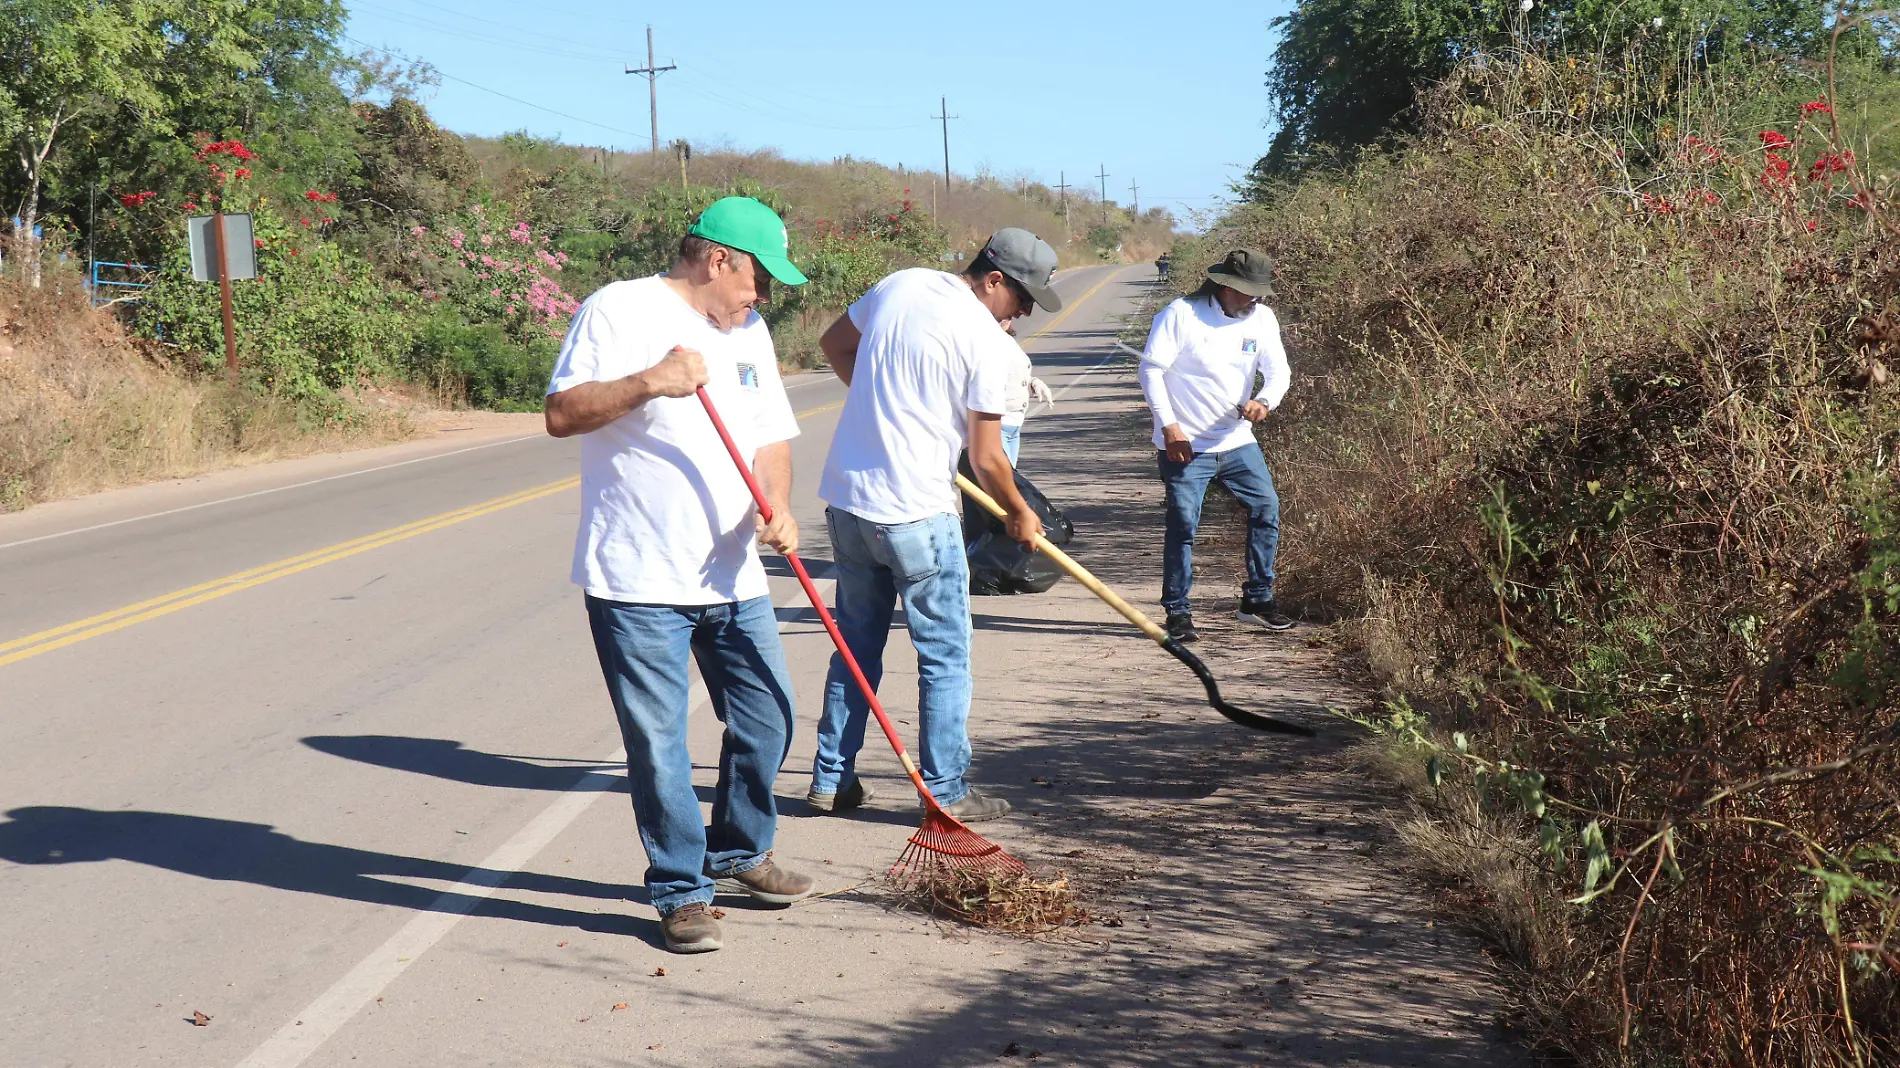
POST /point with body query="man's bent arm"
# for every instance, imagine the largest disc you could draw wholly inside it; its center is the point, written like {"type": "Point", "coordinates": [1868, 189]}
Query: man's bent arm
{"type": "Point", "coordinates": [840, 346]}
{"type": "Point", "coordinates": [588, 406]}
{"type": "Point", "coordinates": [592, 405]}
{"type": "Point", "coordinates": [773, 467]}
{"type": "Point", "coordinates": [998, 478]}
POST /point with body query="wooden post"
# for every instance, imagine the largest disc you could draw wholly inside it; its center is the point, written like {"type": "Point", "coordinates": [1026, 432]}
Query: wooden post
{"type": "Point", "coordinates": [224, 297]}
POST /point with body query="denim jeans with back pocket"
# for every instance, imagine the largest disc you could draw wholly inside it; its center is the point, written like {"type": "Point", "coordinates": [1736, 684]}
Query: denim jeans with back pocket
{"type": "Point", "coordinates": [921, 565]}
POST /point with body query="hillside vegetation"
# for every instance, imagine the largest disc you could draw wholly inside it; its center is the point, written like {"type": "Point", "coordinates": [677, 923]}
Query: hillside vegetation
{"type": "Point", "coordinates": [391, 253]}
{"type": "Point", "coordinates": [1593, 433]}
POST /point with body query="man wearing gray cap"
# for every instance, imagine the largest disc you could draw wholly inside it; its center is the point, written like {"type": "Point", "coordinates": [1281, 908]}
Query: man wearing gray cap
{"type": "Point", "coordinates": [928, 366]}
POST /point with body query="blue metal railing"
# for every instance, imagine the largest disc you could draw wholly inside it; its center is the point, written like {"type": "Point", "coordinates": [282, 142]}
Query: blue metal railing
{"type": "Point", "coordinates": [98, 284]}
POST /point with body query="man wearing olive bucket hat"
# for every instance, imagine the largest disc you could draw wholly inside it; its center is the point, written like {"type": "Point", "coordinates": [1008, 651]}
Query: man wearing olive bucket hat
{"type": "Point", "coordinates": [1205, 351]}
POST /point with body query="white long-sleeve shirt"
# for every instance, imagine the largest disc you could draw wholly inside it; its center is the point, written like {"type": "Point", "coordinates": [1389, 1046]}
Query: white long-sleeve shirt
{"type": "Point", "coordinates": [1199, 367]}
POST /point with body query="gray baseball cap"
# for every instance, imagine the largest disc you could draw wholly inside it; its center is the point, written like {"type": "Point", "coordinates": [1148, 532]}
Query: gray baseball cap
{"type": "Point", "coordinates": [1028, 260]}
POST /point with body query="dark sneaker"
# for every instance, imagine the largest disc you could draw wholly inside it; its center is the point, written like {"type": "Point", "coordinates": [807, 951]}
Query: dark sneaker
{"type": "Point", "coordinates": [1264, 614]}
{"type": "Point", "coordinates": [852, 796]}
{"type": "Point", "coordinates": [1181, 628]}
{"type": "Point", "coordinates": [690, 929]}
{"type": "Point", "coordinates": [975, 807]}
{"type": "Point", "coordinates": [774, 885]}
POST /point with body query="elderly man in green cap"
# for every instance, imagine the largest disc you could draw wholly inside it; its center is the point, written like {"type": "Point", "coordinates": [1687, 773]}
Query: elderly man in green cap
{"type": "Point", "coordinates": [1205, 352]}
{"type": "Point", "coordinates": [667, 549]}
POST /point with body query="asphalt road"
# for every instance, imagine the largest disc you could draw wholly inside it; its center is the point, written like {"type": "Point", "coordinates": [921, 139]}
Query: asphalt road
{"type": "Point", "coordinates": [320, 759]}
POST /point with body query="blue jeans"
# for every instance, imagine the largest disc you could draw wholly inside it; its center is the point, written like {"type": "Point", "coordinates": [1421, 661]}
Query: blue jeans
{"type": "Point", "coordinates": [921, 564]}
{"type": "Point", "coordinates": [1244, 472]}
{"type": "Point", "coordinates": [1012, 441]}
{"type": "Point", "coordinates": [644, 651]}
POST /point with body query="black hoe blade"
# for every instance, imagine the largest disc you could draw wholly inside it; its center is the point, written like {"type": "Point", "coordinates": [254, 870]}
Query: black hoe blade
{"type": "Point", "coordinates": [1237, 714]}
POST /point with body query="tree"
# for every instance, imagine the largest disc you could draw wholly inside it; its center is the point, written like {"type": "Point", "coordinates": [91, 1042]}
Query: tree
{"type": "Point", "coordinates": [1348, 73]}
{"type": "Point", "coordinates": [139, 73]}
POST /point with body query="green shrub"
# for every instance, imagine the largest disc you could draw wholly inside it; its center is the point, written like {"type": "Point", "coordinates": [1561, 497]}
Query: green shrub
{"type": "Point", "coordinates": [482, 365]}
{"type": "Point", "coordinates": [313, 321]}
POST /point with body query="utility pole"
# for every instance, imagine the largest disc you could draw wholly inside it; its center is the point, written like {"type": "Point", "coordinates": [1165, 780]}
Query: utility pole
{"type": "Point", "coordinates": [1062, 186]}
{"type": "Point", "coordinates": [652, 74]}
{"type": "Point", "coordinates": [943, 115]}
{"type": "Point", "coordinates": [1134, 189]}
{"type": "Point", "coordinates": [1104, 177]}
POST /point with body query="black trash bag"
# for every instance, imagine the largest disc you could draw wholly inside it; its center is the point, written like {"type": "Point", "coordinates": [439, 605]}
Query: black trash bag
{"type": "Point", "coordinates": [1000, 566]}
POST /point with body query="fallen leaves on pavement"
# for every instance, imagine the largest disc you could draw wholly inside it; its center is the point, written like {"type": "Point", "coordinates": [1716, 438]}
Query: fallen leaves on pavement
{"type": "Point", "coordinates": [199, 1019]}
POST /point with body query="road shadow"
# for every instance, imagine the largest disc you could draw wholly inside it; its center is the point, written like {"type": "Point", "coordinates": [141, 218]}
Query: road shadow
{"type": "Point", "coordinates": [256, 853]}
{"type": "Point", "coordinates": [445, 758]}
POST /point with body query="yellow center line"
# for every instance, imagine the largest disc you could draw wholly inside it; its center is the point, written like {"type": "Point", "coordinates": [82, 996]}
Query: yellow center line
{"type": "Point", "coordinates": [78, 631]}
{"type": "Point", "coordinates": [31, 645]}
{"type": "Point", "coordinates": [1072, 305]}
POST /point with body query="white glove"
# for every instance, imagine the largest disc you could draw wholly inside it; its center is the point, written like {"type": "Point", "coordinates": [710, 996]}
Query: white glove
{"type": "Point", "coordinates": [1039, 393]}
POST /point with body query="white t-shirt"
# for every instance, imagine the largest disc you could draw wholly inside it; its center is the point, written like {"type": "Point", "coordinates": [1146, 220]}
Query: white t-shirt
{"type": "Point", "coordinates": [665, 516]}
{"type": "Point", "coordinates": [931, 352]}
{"type": "Point", "coordinates": [1016, 397]}
{"type": "Point", "coordinates": [1198, 369]}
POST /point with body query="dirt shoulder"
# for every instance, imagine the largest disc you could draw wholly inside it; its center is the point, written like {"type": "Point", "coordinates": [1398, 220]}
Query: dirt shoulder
{"type": "Point", "coordinates": [1261, 916]}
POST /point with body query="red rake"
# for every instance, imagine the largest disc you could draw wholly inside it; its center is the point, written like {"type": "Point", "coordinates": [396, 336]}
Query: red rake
{"type": "Point", "coordinates": [943, 845]}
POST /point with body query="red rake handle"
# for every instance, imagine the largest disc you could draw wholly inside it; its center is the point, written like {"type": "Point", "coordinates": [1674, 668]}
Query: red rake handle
{"type": "Point", "coordinates": [811, 592]}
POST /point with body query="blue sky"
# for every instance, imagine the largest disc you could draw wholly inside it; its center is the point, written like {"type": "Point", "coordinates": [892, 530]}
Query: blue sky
{"type": "Point", "coordinates": [1167, 97]}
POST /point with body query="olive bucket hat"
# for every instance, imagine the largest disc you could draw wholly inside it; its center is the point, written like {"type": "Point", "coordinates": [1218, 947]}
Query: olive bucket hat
{"type": "Point", "coordinates": [1245, 270]}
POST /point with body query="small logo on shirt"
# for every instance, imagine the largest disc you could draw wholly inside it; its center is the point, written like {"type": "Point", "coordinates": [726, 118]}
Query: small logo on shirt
{"type": "Point", "coordinates": [1250, 345]}
{"type": "Point", "coordinates": [749, 376]}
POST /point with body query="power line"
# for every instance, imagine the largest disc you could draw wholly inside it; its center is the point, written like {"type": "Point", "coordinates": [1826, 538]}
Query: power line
{"type": "Point", "coordinates": [499, 93]}
{"type": "Point", "coordinates": [652, 75]}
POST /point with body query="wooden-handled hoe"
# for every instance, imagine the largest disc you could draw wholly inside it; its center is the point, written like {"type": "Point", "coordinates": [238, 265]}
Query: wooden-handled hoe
{"type": "Point", "coordinates": [1147, 626]}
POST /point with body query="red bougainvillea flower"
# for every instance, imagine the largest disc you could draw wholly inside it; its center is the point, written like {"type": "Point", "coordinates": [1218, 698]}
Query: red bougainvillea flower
{"type": "Point", "coordinates": [257, 242]}
{"type": "Point", "coordinates": [320, 198]}
{"type": "Point", "coordinates": [305, 222]}
{"type": "Point", "coordinates": [1774, 139]}
{"type": "Point", "coordinates": [242, 172]}
{"type": "Point", "coordinates": [234, 149]}
{"type": "Point", "coordinates": [1813, 107]}
{"type": "Point", "coordinates": [1775, 170]}
{"type": "Point", "coordinates": [293, 252]}
{"type": "Point", "coordinates": [137, 200]}
{"type": "Point", "coordinates": [189, 206]}
{"type": "Point", "coordinates": [1833, 163]}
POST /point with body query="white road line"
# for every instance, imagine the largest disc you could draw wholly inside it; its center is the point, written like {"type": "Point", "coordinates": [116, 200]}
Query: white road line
{"type": "Point", "coordinates": [303, 1034]}
{"type": "Point", "coordinates": [262, 492]}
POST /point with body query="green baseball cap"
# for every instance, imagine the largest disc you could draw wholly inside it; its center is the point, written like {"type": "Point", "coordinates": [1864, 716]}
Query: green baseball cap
{"type": "Point", "coordinates": [749, 226]}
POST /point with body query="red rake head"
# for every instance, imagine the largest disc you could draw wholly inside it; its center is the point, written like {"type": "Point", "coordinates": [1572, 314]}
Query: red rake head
{"type": "Point", "coordinates": [945, 844]}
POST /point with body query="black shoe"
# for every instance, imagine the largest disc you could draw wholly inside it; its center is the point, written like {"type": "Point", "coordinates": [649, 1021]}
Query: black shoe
{"type": "Point", "coordinates": [1264, 614]}
{"type": "Point", "coordinates": [852, 796]}
{"type": "Point", "coordinates": [975, 807]}
{"type": "Point", "coordinates": [1181, 628]}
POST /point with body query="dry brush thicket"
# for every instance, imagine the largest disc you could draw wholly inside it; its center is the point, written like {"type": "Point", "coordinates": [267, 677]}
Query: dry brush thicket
{"type": "Point", "coordinates": [1596, 429]}
{"type": "Point", "coordinates": [83, 409]}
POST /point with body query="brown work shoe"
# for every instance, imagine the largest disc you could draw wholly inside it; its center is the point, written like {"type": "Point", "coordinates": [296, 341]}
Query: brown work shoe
{"type": "Point", "coordinates": [774, 885]}
{"type": "Point", "coordinates": [691, 929]}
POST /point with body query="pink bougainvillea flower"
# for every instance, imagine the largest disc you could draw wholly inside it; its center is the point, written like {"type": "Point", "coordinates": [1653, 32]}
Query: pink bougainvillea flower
{"type": "Point", "coordinates": [418, 231]}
